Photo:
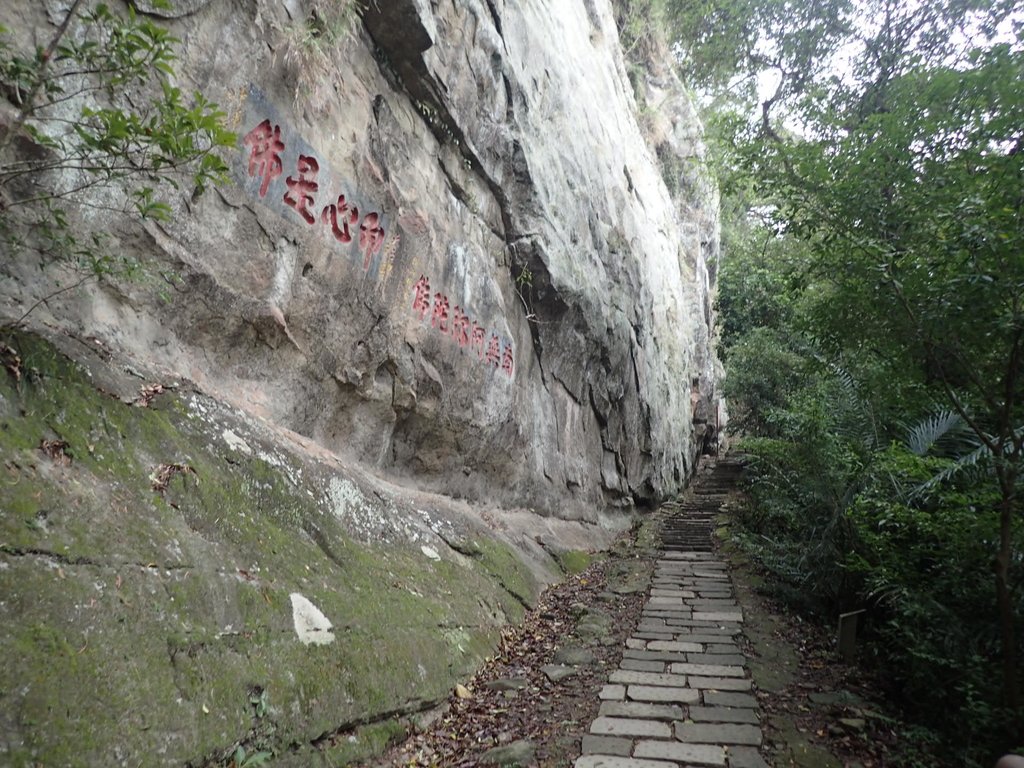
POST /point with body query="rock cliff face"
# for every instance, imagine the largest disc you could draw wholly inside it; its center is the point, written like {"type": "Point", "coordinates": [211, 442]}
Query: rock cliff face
{"type": "Point", "coordinates": [452, 309]}
{"type": "Point", "coordinates": [456, 250]}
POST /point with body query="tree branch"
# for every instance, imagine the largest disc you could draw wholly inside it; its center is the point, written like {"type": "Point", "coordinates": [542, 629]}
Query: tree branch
{"type": "Point", "coordinates": [45, 59]}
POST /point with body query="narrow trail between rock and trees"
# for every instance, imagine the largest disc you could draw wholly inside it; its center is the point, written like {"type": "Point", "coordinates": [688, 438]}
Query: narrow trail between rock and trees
{"type": "Point", "coordinates": [638, 662]}
{"type": "Point", "coordinates": [682, 694]}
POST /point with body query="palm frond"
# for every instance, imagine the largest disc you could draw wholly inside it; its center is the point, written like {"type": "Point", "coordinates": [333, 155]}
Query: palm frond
{"type": "Point", "coordinates": [924, 435]}
{"type": "Point", "coordinates": [970, 463]}
{"type": "Point", "coordinates": [860, 424]}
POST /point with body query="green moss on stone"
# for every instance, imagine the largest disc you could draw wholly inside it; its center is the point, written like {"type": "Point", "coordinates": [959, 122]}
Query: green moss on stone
{"type": "Point", "coordinates": [501, 562]}
{"type": "Point", "coordinates": [136, 624]}
{"type": "Point", "coordinates": [574, 561]}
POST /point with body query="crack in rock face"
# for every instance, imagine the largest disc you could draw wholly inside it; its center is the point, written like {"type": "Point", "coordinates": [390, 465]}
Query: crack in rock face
{"type": "Point", "coordinates": [311, 626]}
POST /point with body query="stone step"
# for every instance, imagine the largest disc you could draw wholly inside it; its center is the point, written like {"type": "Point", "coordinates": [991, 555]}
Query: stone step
{"type": "Point", "coordinates": [681, 696]}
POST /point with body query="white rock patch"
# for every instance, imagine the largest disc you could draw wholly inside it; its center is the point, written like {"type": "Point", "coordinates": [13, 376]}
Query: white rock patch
{"type": "Point", "coordinates": [312, 627]}
{"type": "Point", "coordinates": [235, 442]}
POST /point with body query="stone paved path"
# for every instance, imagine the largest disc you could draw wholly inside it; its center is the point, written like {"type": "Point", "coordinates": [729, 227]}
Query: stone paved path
{"type": "Point", "coordinates": [682, 695]}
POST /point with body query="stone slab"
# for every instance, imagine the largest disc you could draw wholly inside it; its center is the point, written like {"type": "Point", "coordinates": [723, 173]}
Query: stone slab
{"type": "Point", "coordinates": [720, 683]}
{"type": "Point", "coordinates": [680, 614]}
{"type": "Point", "coordinates": [667, 592]}
{"type": "Point", "coordinates": [606, 745]}
{"type": "Point", "coordinates": [611, 761]}
{"type": "Point", "coordinates": [722, 648]}
{"type": "Point", "coordinates": [672, 645]}
{"type": "Point", "coordinates": [689, 754]}
{"type": "Point", "coordinates": [645, 635]}
{"type": "Point", "coordinates": [638, 665]}
{"type": "Point", "coordinates": [707, 670]}
{"type": "Point", "coordinates": [687, 636]}
{"type": "Point", "coordinates": [723, 715]}
{"type": "Point", "coordinates": [627, 677]}
{"type": "Point", "coordinates": [729, 699]}
{"type": "Point", "coordinates": [641, 709]}
{"type": "Point", "coordinates": [558, 672]}
{"type": "Point", "coordinates": [628, 726]}
{"type": "Point", "coordinates": [705, 604]}
{"type": "Point", "coordinates": [612, 693]}
{"type": "Point", "coordinates": [667, 695]}
{"type": "Point", "coordinates": [717, 616]}
{"type": "Point", "coordinates": [746, 757]}
{"type": "Point", "coordinates": [667, 656]}
{"type": "Point", "coordinates": [670, 602]}
{"type": "Point", "coordinates": [706, 733]}
{"type": "Point", "coordinates": [726, 659]}
{"type": "Point", "coordinates": [705, 627]}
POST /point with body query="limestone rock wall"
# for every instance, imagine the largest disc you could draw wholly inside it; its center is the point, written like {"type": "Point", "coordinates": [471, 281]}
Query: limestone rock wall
{"type": "Point", "coordinates": [455, 251]}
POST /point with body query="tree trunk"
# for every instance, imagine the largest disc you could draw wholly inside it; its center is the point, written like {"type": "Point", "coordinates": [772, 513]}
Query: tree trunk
{"type": "Point", "coordinates": [1011, 686]}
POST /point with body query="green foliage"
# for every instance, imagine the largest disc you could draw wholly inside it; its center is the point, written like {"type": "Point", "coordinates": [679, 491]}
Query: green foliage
{"type": "Point", "coordinates": [764, 371]}
{"type": "Point", "coordinates": [641, 25]}
{"type": "Point", "coordinates": [241, 759]}
{"type": "Point", "coordinates": [99, 124]}
{"type": "Point", "coordinates": [802, 480]}
{"type": "Point", "coordinates": [874, 225]}
{"type": "Point", "coordinates": [924, 565]}
{"type": "Point", "coordinates": [725, 44]}
{"type": "Point", "coordinates": [842, 523]}
{"type": "Point", "coordinates": [525, 278]}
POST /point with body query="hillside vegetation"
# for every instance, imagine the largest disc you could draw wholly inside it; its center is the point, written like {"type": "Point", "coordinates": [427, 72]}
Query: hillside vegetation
{"type": "Point", "coordinates": [872, 321]}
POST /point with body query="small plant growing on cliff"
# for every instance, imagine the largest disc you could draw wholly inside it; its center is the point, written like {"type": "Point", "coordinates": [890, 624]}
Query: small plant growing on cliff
{"type": "Point", "coordinates": [310, 46]}
{"type": "Point", "coordinates": [98, 124]}
{"type": "Point", "coordinates": [242, 759]}
{"type": "Point", "coordinates": [525, 277]}
{"type": "Point", "coordinates": [524, 284]}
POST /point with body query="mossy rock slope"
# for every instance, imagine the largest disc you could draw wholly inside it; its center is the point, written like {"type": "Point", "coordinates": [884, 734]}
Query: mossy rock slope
{"type": "Point", "coordinates": [149, 553]}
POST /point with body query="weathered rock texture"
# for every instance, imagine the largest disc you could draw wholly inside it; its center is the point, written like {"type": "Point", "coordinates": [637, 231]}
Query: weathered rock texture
{"type": "Point", "coordinates": [176, 579]}
{"type": "Point", "coordinates": [501, 149]}
{"type": "Point", "coordinates": [378, 416]}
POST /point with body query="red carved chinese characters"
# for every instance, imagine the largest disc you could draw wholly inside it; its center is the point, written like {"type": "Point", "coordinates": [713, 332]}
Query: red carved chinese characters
{"type": "Point", "coordinates": [300, 191]}
{"type": "Point", "coordinates": [455, 323]}
{"type": "Point", "coordinates": [460, 326]}
{"type": "Point", "coordinates": [440, 317]}
{"type": "Point", "coordinates": [477, 339]}
{"type": "Point", "coordinates": [371, 235]}
{"type": "Point", "coordinates": [493, 351]}
{"type": "Point", "coordinates": [421, 300]}
{"type": "Point", "coordinates": [506, 360]}
{"type": "Point", "coordinates": [265, 148]}
{"type": "Point", "coordinates": [265, 152]}
{"type": "Point", "coordinates": [340, 216]}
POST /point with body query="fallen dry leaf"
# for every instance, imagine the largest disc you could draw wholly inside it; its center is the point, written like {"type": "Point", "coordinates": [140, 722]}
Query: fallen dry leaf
{"type": "Point", "coordinates": [147, 394]}
{"type": "Point", "coordinates": [56, 450]}
{"type": "Point", "coordinates": [11, 360]}
{"type": "Point", "coordinates": [163, 473]}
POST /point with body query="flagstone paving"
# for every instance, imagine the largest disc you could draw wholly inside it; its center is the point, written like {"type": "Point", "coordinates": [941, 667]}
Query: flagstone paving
{"type": "Point", "coordinates": [682, 695]}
